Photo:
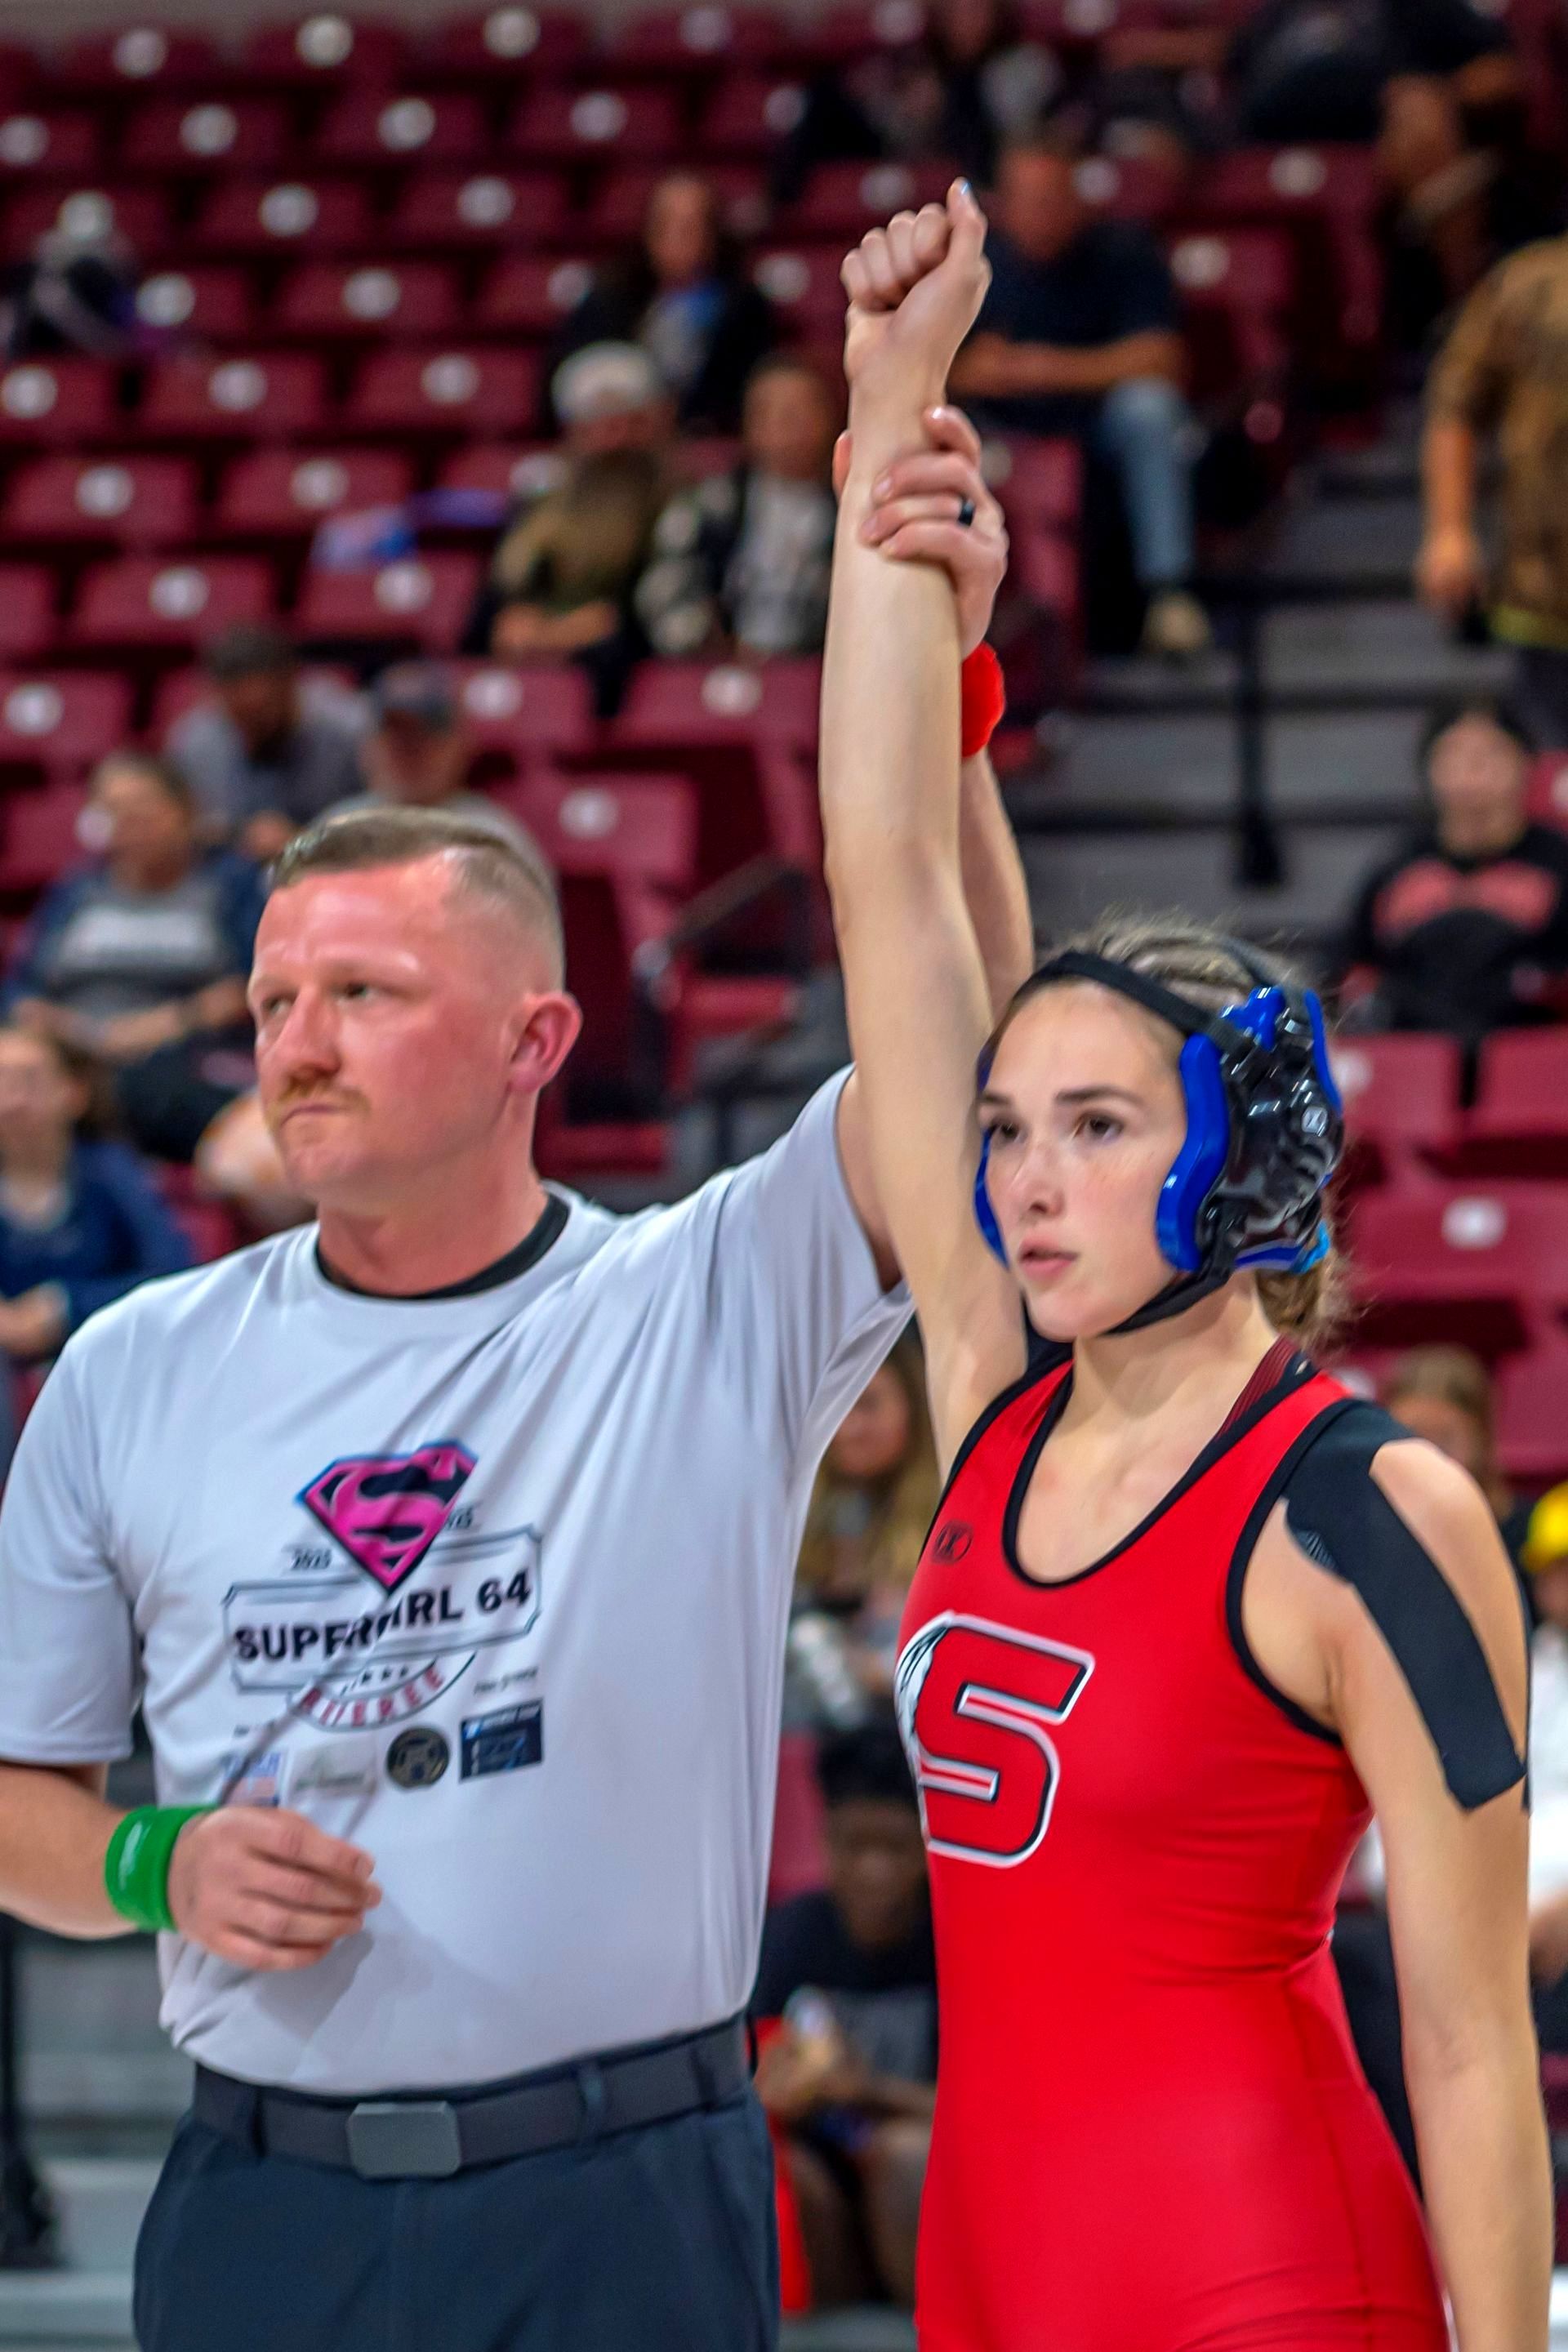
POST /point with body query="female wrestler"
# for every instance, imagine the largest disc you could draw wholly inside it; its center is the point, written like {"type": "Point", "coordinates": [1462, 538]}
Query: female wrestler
{"type": "Point", "coordinates": [1188, 1613]}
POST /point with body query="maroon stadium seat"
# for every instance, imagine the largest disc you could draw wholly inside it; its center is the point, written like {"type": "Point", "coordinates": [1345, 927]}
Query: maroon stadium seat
{"type": "Point", "coordinates": [38, 839]}
{"type": "Point", "coordinates": [58, 400]}
{"type": "Point", "coordinates": [1326, 198]}
{"type": "Point", "coordinates": [799, 1861]}
{"type": "Point", "coordinates": [1549, 789]}
{"type": "Point", "coordinates": [715, 702]}
{"type": "Point", "coordinates": [1479, 1263]}
{"type": "Point", "coordinates": [454, 211]}
{"type": "Point", "coordinates": [1038, 481]}
{"type": "Point", "coordinates": [744, 735]}
{"type": "Point", "coordinates": [503, 40]}
{"type": "Point", "coordinates": [844, 200]}
{"type": "Point", "coordinates": [1130, 188]}
{"type": "Point", "coordinates": [642, 829]}
{"type": "Point", "coordinates": [278, 216]}
{"type": "Point", "coordinates": [61, 722]}
{"type": "Point", "coordinates": [619, 211]}
{"type": "Point", "coordinates": [28, 624]}
{"type": "Point", "coordinates": [426, 599]}
{"type": "Point", "coordinates": [1519, 1126]}
{"type": "Point", "coordinates": [288, 493]}
{"type": "Point", "coordinates": [529, 294]}
{"type": "Point", "coordinates": [1401, 1097]}
{"type": "Point", "coordinates": [507, 469]}
{"type": "Point", "coordinates": [333, 298]}
{"type": "Point", "coordinates": [326, 48]}
{"type": "Point", "coordinates": [449, 392]}
{"type": "Point", "coordinates": [803, 284]}
{"type": "Point", "coordinates": [179, 691]}
{"type": "Point", "coordinates": [140, 214]}
{"type": "Point", "coordinates": [134, 501]}
{"type": "Point", "coordinates": [860, 28]}
{"type": "Point", "coordinates": [262, 396]}
{"type": "Point", "coordinates": [1530, 1413]}
{"type": "Point", "coordinates": [207, 134]}
{"type": "Point", "coordinates": [703, 36]}
{"type": "Point", "coordinates": [1239, 292]}
{"type": "Point", "coordinates": [542, 711]}
{"type": "Point", "coordinates": [142, 604]}
{"type": "Point", "coordinates": [378, 126]}
{"type": "Point", "coordinates": [140, 57]}
{"type": "Point", "coordinates": [749, 114]}
{"type": "Point", "coordinates": [42, 145]}
{"type": "Point", "coordinates": [212, 304]}
{"type": "Point", "coordinates": [598, 125]}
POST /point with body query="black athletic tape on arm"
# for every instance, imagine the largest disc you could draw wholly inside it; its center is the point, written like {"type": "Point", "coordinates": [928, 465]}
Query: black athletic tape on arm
{"type": "Point", "coordinates": [1341, 1518]}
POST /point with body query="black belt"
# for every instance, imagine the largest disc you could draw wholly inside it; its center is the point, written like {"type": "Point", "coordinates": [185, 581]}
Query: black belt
{"type": "Point", "coordinates": [420, 2136]}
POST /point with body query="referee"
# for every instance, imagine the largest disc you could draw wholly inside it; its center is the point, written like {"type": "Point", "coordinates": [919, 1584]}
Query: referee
{"type": "Point", "coordinates": [448, 1547]}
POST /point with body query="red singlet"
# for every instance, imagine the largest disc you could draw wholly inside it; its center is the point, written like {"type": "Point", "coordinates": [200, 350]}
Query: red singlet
{"type": "Point", "coordinates": [1152, 2131]}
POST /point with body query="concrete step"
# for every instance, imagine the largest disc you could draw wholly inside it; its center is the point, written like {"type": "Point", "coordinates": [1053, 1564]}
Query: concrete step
{"type": "Point", "coordinates": [92, 2048]}
{"type": "Point", "coordinates": [1370, 539]}
{"type": "Point", "coordinates": [1354, 767]}
{"type": "Point", "coordinates": [1373, 645]}
{"type": "Point", "coordinates": [100, 2202]}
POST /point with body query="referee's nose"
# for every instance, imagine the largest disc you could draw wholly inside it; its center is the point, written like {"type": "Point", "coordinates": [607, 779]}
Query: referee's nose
{"type": "Point", "coordinates": [304, 1044]}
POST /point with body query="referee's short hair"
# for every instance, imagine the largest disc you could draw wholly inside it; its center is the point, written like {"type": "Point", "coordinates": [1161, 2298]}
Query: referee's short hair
{"type": "Point", "coordinates": [485, 863]}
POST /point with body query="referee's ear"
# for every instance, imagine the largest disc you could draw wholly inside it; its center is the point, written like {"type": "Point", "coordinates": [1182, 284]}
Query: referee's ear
{"type": "Point", "coordinates": [546, 1027]}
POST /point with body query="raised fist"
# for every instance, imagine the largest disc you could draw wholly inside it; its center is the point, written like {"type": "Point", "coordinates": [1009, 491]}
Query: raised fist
{"type": "Point", "coordinates": [915, 289]}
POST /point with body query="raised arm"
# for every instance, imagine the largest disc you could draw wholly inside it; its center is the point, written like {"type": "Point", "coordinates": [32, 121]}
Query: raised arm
{"type": "Point", "coordinates": [916, 983]}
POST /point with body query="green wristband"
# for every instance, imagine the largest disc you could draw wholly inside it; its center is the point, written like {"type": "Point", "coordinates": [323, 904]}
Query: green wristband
{"type": "Point", "coordinates": [136, 1867]}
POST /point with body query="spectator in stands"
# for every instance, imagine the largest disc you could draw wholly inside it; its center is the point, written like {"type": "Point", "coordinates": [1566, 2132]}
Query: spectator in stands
{"type": "Point", "coordinates": [1465, 930]}
{"type": "Point", "coordinates": [743, 560]}
{"type": "Point", "coordinates": [683, 295]}
{"type": "Point", "coordinates": [1080, 335]}
{"type": "Point", "coordinates": [1502, 370]}
{"type": "Point", "coordinates": [139, 962]}
{"type": "Point", "coordinates": [81, 1222]}
{"type": "Point", "coordinates": [852, 1972]}
{"type": "Point", "coordinates": [561, 580]}
{"type": "Point", "coordinates": [1545, 1558]}
{"type": "Point", "coordinates": [1445, 1395]}
{"type": "Point", "coordinates": [266, 753]}
{"type": "Point", "coordinates": [74, 292]}
{"type": "Point", "coordinates": [418, 754]}
{"type": "Point", "coordinates": [971, 80]}
{"type": "Point", "coordinates": [875, 1498]}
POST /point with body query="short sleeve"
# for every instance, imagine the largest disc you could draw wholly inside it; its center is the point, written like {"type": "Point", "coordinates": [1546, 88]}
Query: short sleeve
{"type": "Point", "coordinates": [1469, 378]}
{"type": "Point", "coordinates": [68, 1676]}
{"type": "Point", "coordinates": [796, 1304]}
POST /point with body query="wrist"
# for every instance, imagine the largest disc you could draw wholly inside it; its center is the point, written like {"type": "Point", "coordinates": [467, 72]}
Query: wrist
{"type": "Point", "coordinates": [136, 1866]}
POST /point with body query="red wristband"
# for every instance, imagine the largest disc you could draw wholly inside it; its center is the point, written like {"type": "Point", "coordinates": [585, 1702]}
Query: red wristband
{"type": "Point", "coordinates": [983, 700]}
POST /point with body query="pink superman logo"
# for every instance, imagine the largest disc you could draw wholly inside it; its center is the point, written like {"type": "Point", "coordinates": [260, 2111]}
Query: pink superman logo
{"type": "Point", "coordinates": [388, 1509]}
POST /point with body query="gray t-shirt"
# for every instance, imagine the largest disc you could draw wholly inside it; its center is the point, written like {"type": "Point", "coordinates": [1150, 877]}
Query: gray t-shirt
{"type": "Point", "coordinates": [494, 1585]}
{"type": "Point", "coordinates": [299, 778]}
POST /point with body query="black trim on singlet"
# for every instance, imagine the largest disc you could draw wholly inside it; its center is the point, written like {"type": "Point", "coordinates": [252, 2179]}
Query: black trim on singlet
{"type": "Point", "coordinates": [1040, 1369]}
{"type": "Point", "coordinates": [1300, 1371]}
{"type": "Point", "coordinates": [545, 1231]}
{"type": "Point", "coordinates": [1340, 1519]}
{"type": "Point", "coordinates": [1241, 1560]}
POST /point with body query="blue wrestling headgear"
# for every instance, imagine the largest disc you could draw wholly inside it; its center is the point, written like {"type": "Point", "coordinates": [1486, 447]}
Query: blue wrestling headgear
{"type": "Point", "coordinates": [1265, 1132]}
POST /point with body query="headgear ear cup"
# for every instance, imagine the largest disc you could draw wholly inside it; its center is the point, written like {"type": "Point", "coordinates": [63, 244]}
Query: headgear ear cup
{"type": "Point", "coordinates": [984, 1215]}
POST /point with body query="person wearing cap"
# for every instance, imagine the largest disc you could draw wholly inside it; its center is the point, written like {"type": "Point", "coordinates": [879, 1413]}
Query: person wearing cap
{"type": "Point", "coordinates": [418, 754]}
{"type": "Point", "coordinates": [561, 581]}
{"type": "Point", "coordinates": [264, 752]}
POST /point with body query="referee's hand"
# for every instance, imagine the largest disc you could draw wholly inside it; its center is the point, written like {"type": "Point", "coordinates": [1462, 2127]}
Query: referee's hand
{"type": "Point", "coordinates": [268, 1889]}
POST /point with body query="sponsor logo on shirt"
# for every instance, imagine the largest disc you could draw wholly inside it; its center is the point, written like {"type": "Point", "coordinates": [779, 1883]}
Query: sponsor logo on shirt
{"type": "Point", "coordinates": [342, 1770]}
{"type": "Point", "coordinates": [249, 1779]}
{"type": "Point", "coordinates": [503, 1742]}
{"type": "Point", "coordinates": [418, 1759]}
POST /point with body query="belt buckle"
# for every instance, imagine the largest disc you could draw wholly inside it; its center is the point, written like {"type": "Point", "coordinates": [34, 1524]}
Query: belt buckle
{"type": "Point", "coordinates": [404, 2139]}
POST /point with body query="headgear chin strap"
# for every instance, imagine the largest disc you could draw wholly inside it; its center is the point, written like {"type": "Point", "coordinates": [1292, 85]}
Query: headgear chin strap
{"type": "Point", "coordinates": [1265, 1131]}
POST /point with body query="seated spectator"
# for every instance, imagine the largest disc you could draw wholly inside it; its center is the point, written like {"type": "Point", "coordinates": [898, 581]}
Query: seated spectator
{"type": "Point", "coordinates": [683, 295]}
{"type": "Point", "coordinates": [418, 754]}
{"type": "Point", "coordinates": [970, 82]}
{"type": "Point", "coordinates": [561, 579]}
{"type": "Point", "coordinates": [852, 1973]}
{"type": "Point", "coordinates": [80, 1222]}
{"type": "Point", "coordinates": [1080, 335]}
{"type": "Point", "coordinates": [1545, 1558]}
{"type": "Point", "coordinates": [1501, 373]}
{"type": "Point", "coordinates": [139, 962]}
{"type": "Point", "coordinates": [874, 1496]}
{"type": "Point", "coordinates": [1445, 1395]}
{"type": "Point", "coordinates": [1466, 928]}
{"type": "Point", "coordinates": [74, 292]}
{"type": "Point", "coordinates": [266, 753]}
{"type": "Point", "coordinates": [743, 560]}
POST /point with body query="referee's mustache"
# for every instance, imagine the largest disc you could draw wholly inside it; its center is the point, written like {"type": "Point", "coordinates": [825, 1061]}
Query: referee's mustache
{"type": "Point", "coordinates": [302, 1094]}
